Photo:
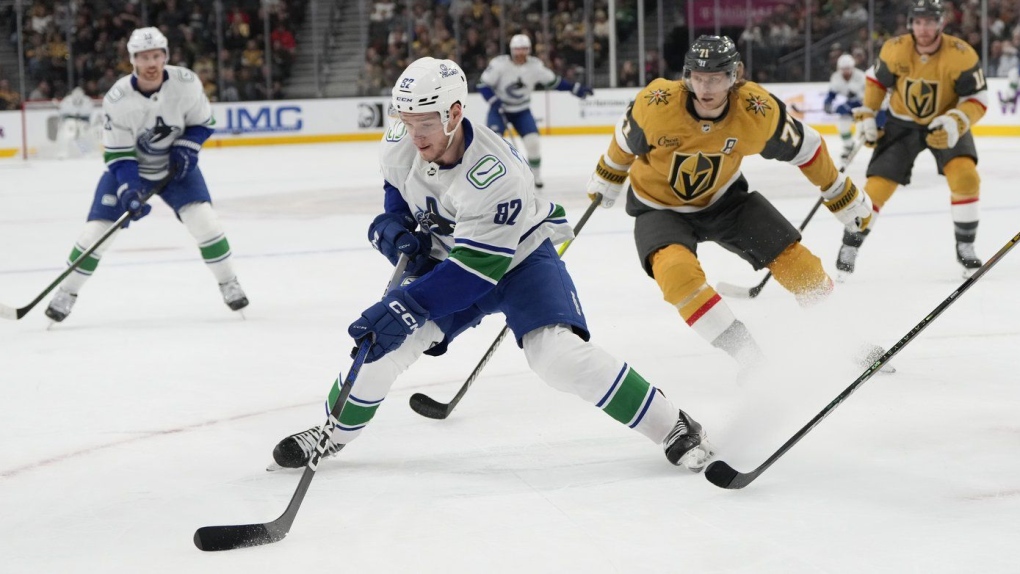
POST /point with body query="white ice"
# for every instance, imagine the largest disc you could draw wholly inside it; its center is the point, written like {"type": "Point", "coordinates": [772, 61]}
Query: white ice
{"type": "Point", "coordinates": [153, 410]}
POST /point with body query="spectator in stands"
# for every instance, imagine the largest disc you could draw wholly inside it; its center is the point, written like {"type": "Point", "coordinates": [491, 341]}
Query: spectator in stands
{"type": "Point", "coordinates": [42, 91]}
{"type": "Point", "coordinates": [252, 57]}
{"type": "Point", "coordinates": [628, 77]}
{"type": "Point", "coordinates": [9, 99]}
{"type": "Point", "coordinates": [230, 91]}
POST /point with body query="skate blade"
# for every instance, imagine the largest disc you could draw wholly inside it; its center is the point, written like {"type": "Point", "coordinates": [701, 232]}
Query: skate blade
{"type": "Point", "coordinates": [842, 276]}
{"type": "Point", "coordinates": [695, 459]}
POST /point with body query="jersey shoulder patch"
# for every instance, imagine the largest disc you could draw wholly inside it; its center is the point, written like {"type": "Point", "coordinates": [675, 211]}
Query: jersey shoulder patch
{"type": "Point", "coordinates": [486, 171]}
{"type": "Point", "coordinates": [396, 132]}
{"type": "Point", "coordinates": [756, 102]}
{"type": "Point", "coordinates": [114, 94]}
{"type": "Point", "coordinates": [185, 75]}
{"type": "Point", "coordinates": [655, 100]}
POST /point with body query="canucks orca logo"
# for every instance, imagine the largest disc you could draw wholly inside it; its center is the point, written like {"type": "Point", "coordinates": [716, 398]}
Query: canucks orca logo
{"type": "Point", "coordinates": [692, 176]}
{"type": "Point", "coordinates": [154, 135]}
{"type": "Point", "coordinates": [921, 97]}
{"type": "Point", "coordinates": [514, 89]}
{"type": "Point", "coordinates": [433, 221]}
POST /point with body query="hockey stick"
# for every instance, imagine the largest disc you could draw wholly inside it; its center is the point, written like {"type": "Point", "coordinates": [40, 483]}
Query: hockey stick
{"type": "Point", "coordinates": [731, 290]}
{"type": "Point", "coordinates": [426, 406]}
{"type": "Point", "coordinates": [724, 476]}
{"type": "Point", "coordinates": [15, 314]}
{"type": "Point", "coordinates": [214, 538]}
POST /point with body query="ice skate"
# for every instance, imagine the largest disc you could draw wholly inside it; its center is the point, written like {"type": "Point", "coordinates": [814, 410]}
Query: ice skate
{"type": "Point", "coordinates": [967, 257]}
{"type": "Point", "coordinates": [296, 450]}
{"type": "Point", "coordinates": [233, 295]}
{"type": "Point", "coordinates": [847, 258]}
{"type": "Point", "coordinates": [845, 262]}
{"type": "Point", "coordinates": [60, 306]}
{"type": "Point", "coordinates": [847, 150]}
{"type": "Point", "coordinates": [686, 445]}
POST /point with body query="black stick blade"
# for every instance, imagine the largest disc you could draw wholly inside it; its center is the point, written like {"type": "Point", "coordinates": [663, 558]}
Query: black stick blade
{"type": "Point", "coordinates": [428, 407]}
{"type": "Point", "coordinates": [216, 538]}
{"type": "Point", "coordinates": [725, 476]}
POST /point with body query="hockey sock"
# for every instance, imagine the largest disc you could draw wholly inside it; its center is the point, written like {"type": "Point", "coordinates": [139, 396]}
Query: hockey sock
{"type": "Point", "coordinates": [205, 227]}
{"type": "Point", "coordinates": [569, 364]}
{"type": "Point", "coordinates": [92, 231]}
{"type": "Point", "coordinates": [374, 382]}
{"type": "Point", "coordinates": [800, 272]}
{"type": "Point", "coordinates": [965, 186]}
{"type": "Point", "coordinates": [531, 146]}
{"type": "Point", "coordinates": [879, 189]}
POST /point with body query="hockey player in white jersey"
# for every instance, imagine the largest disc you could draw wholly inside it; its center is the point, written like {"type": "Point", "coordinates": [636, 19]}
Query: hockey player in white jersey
{"type": "Point", "coordinates": [74, 135]}
{"type": "Point", "coordinates": [484, 245]}
{"type": "Point", "coordinates": [847, 82]}
{"type": "Point", "coordinates": [1008, 98]}
{"type": "Point", "coordinates": [507, 84]}
{"type": "Point", "coordinates": [155, 122]}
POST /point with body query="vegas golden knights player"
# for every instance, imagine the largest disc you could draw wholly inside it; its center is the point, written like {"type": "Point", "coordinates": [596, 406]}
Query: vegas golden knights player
{"type": "Point", "coordinates": [681, 143]}
{"type": "Point", "coordinates": [937, 92]}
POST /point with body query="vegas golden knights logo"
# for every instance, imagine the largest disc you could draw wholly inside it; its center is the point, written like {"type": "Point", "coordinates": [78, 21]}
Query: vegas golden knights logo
{"type": "Point", "coordinates": [921, 97]}
{"type": "Point", "coordinates": [694, 175]}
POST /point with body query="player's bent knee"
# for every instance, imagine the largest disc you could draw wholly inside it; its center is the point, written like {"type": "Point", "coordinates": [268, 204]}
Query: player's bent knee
{"type": "Point", "coordinates": [201, 220]}
{"type": "Point", "coordinates": [963, 178]}
{"type": "Point", "coordinates": [681, 279]}
{"type": "Point", "coordinates": [879, 189]}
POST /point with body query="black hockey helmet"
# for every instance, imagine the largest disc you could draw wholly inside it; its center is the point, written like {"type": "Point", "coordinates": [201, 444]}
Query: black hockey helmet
{"type": "Point", "coordinates": [929, 8]}
{"type": "Point", "coordinates": [712, 54]}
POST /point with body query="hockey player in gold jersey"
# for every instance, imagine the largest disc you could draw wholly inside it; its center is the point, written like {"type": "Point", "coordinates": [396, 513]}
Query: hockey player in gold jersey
{"type": "Point", "coordinates": [681, 143]}
{"type": "Point", "coordinates": [937, 92]}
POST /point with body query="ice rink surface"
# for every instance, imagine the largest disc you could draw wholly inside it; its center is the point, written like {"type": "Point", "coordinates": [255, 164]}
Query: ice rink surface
{"type": "Point", "coordinates": [153, 410]}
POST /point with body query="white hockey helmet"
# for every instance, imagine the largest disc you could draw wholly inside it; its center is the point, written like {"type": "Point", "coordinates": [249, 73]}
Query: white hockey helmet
{"type": "Point", "coordinates": [430, 85]}
{"type": "Point", "coordinates": [144, 39]}
{"type": "Point", "coordinates": [846, 62]}
{"type": "Point", "coordinates": [520, 41]}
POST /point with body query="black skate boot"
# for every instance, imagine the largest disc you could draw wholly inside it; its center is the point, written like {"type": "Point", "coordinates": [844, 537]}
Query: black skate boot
{"type": "Point", "coordinates": [686, 445]}
{"type": "Point", "coordinates": [847, 258]}
{"type": "Point", "coordinates": [233, 295]}
{"type": "Point", "coordinates": [296, 450]}
{"type": "Point", "coordinates": [60, 307]}
{"type": "Point", "coordinates": [967, 257]}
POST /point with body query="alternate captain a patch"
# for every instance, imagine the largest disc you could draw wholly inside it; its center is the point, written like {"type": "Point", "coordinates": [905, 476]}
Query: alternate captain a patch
{"type": "Point", "coordinates": [757, 104]}
{"type": "Point", "coordinates": [658, 97]}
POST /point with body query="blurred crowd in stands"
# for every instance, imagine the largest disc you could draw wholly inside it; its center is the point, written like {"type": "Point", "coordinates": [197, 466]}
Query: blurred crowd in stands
{"type": "Point", "coordinates": [92, 35]}
{"type": "Point", "coordinates": [470, 31]}
{"type": "Point", "coordinates": [776, 44]}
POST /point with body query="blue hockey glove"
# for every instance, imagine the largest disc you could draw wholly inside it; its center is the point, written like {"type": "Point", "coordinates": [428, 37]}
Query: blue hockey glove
{"type": "Point", "coordinates": [388, 323]}
{"type": "Point", "coordinates": [580, 90]}
{"type": "Point", "coordinates": [393, 234]}
{"type": "Point", "coordinates": [183, 158]}
{"type": "Point", "coordinates": [130, 198]}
